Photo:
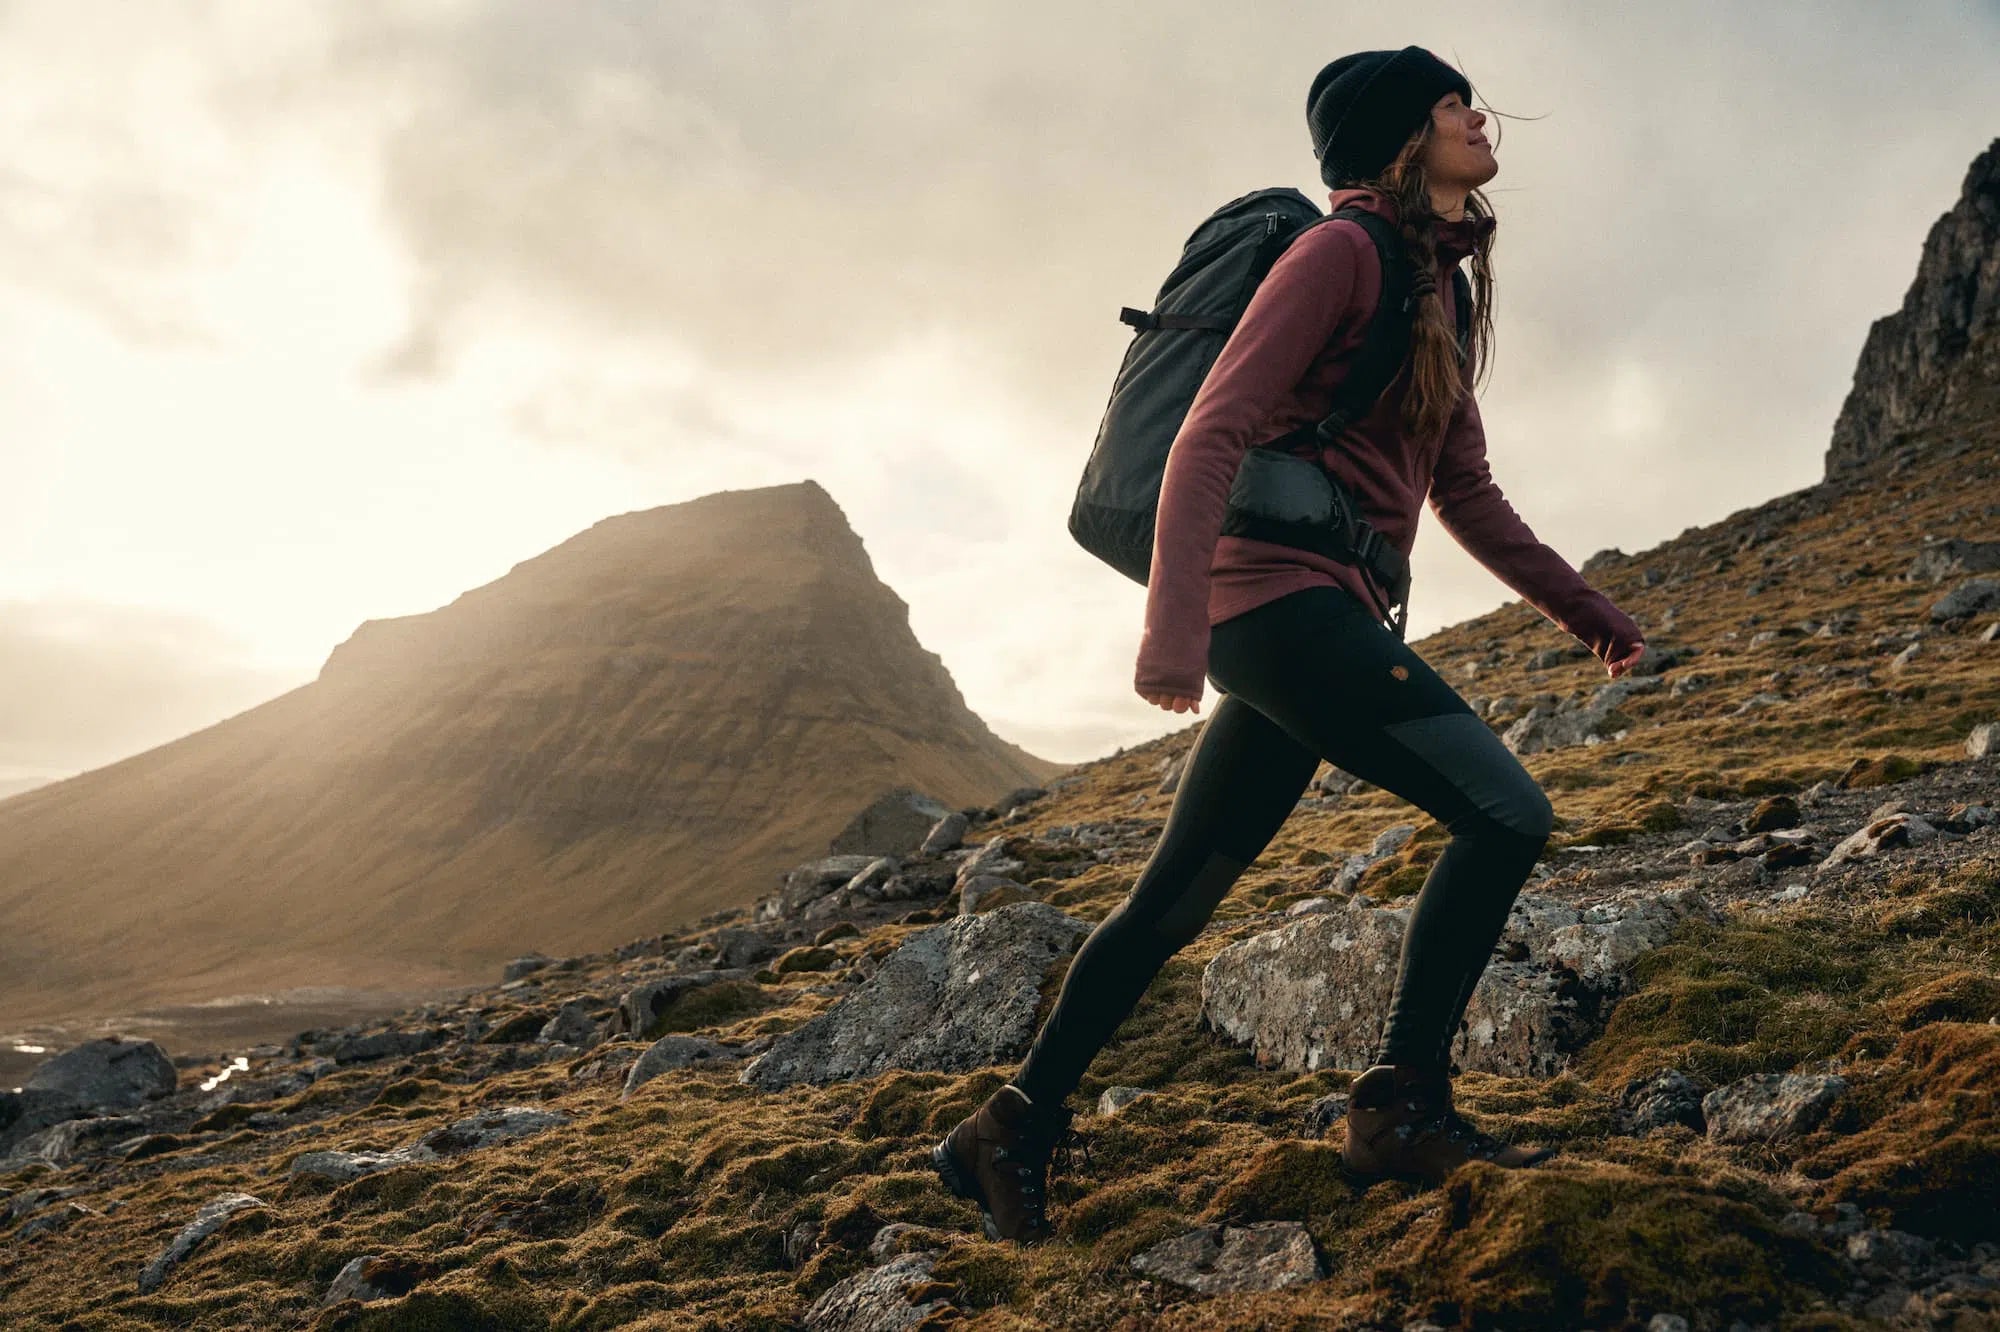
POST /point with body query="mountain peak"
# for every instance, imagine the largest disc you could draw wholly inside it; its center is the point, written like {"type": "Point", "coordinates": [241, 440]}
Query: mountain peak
{"type": "Point", "coordinates": [1938, 357]}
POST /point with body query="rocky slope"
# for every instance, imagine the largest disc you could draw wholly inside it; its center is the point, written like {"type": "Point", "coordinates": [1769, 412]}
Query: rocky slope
{"type": "Point", "coordinates": [1752, 994]}
{"type": "Point", "coordinates": [636, 727]}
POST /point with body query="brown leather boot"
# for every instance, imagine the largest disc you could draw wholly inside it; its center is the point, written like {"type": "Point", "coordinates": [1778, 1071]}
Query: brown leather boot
{"type": "Point", "coordinates": [999, 1157]}
{"type": "Point", "coordinates": [1401, 1123]}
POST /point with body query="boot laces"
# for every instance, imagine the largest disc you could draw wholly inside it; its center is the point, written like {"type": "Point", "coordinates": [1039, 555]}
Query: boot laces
{"type": "Point", "coordinates": [1041, 1158]}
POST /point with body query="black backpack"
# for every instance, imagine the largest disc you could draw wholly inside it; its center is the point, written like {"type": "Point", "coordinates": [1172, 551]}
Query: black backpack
{"type": "Point", "coordinates": [1177, 341]}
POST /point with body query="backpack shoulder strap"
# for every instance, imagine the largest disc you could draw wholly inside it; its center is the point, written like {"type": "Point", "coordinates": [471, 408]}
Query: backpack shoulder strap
{"type": "Point", "coordinates": [1461, 287]}
{"type": "Point", "coordinates": [1387, 340]}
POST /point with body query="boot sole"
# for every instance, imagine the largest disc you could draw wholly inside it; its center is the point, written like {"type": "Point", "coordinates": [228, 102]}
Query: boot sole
{"type": "Point", "coordinates": [962, 1185]}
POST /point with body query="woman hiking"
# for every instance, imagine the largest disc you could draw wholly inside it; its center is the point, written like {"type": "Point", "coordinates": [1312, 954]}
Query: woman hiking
{"type": "Point", "coordinates": [1308, 671]}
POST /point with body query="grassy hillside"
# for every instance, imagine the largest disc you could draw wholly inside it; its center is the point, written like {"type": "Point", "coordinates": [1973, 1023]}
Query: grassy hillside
{"type": "Point", "coordinates": [703, 1203]}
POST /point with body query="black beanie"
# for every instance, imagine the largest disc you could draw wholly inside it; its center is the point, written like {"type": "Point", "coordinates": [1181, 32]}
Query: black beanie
{"type": "Point", "coordinates": [1363, 107]}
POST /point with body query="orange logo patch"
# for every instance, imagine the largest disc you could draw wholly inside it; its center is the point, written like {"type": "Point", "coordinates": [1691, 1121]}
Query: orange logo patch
{"type": "Point", "coordinates": [1400, 672]}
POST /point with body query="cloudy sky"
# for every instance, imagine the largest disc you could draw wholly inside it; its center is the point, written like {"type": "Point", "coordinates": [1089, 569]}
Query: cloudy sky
{"type": "Point", "coordinates": [312, 313]}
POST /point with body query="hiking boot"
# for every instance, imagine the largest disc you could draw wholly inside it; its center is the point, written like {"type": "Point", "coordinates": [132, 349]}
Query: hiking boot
{"type": "Point", "coordinates": [1401, 1123]}
{"type": "Point", "coordinates": [999, 1157]}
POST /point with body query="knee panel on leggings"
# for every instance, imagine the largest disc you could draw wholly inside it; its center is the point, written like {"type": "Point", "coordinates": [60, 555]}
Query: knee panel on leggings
{"type": "Point", "coordinates": [1461, 745]}
{"type": "Point", "coordinates": [1183, 919]}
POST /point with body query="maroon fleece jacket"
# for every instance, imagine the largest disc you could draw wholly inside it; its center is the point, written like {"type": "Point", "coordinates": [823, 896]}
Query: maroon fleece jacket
{"type": "Point", "coordinates": [1277, 371]}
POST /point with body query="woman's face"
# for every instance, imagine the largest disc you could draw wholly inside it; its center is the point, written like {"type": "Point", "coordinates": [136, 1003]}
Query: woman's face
{"type": "Point", "coordinates": [1458, 153]}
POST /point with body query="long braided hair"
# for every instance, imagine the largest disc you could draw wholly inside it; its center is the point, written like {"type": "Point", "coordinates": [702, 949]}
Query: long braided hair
{"type": "Point", "coordinates": [1436, 381]}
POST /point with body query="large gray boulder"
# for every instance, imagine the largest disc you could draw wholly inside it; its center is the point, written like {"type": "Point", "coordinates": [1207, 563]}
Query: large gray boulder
{"type": "Point", "coordinates": [115, 1073]}
{"type": "Point", "coordinates": [959, 995]}
{"type": "Point", "coordinates": [1313, 993]}
{"type": "Point", "coordinates": [895, 824]}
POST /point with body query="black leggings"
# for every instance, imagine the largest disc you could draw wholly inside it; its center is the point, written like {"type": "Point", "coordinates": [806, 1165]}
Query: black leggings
{"type": "Point", "coordinates": [1310, 676]}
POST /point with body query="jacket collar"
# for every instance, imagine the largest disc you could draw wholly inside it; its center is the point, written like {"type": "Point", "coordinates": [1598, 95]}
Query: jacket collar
{"type": "Point", "coordinates": [1455, 240]}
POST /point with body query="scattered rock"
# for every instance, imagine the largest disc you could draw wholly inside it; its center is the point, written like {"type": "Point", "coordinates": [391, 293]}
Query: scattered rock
{"type": "Point", "coordinates": [394, 1044]}
{"type": "Point", "coordinates": [490, 1126]}
{"type": "Point", "coordinates": [342, 1167]}
{"type": "Point", "coordinates": [990, 858]}
{"type": "Point", "coordinates": [1113, 1099]}
{"type": "Point", "coordinates": [894, 824]}
{"type": "Point", "coordinates": [114, 1073]}
{"type": "Point", "coordinates": [1213, 1259]}
{"type": "Point", "coordinates": [983, 892]}
{"type": "Point", "coordinates": [642, 1010]}
{"type": "Point", "coordinates": [1766, 1107]}
{"type": "Point", "coordinates": [674, 1052]}
{"type": "Point", "coordinates": [1970, 597]}
{"type": "Point", "coordinates": [376, 1277]}
{"type": "Point", "coordinates": [1668, 1097]}
{"type": "Point", "coordinates": [807, 883]}
{"type": "Point", "coordinates": [29, 1110]}
{"type": "Point", "coordinates": [1387, 843]}
{"type": "Point", "coordinates": [1324, 1113]}
{"type": "Point", "coordinates": [1019, 796]}
{"type": "Point", "coordinates": [894, 1238]}
{"type": "Point", "coordinates": [572, 1025]}
{"type": "Point", "coordinates": [1884, 834]}
{"type": "Point", "coordinates": [207, 1221]}
{"type": "Point", "coordinates": [872, 878]}
{"type": "Point", "coordinates": [525, 965]}
{"type": "Point", "coordinates": [895, 1295]}
{"type": "Point", "coordinates": [1984, 741]}
{"type": "Point", "coordinates": [1951, 558]}
{"type": "Point", "coordinates": [959, 995]}
{"type": "Point", "coordinates": [61, 1143]}
{"type": "Point", "coordinates": [1569, 724]}
{"type": "Point", "coordinates": [945, 834]}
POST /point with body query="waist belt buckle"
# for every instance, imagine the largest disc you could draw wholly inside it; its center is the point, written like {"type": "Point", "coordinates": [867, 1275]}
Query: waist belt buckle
{"type": "Point", "coordinates": [1369, 546]}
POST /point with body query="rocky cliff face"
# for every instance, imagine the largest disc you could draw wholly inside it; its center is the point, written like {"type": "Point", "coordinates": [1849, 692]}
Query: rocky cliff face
{"type": "Point", "coordinates": [641, 725]}
{"type": "Point", "coordinates": [1932, 360]}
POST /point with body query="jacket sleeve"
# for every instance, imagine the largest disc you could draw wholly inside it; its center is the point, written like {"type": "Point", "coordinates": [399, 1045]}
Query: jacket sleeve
{"type": "Point", "coordinates": [1291, 316]}
{"type": "Point", "coordinates": [1471, 507]}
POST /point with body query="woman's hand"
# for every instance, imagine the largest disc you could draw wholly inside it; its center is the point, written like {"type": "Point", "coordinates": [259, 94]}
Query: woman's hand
{"type": "Point", "coordinates": [1172, 702]}
{"type": "Point", "coordinates": [1626, 662]}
